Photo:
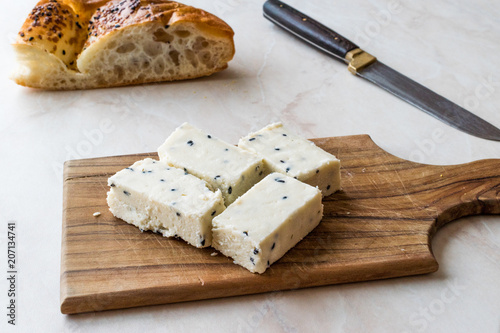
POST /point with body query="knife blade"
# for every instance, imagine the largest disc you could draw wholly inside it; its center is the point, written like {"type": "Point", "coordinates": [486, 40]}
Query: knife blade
{"type": "Point", "coordinates": [366, 66]}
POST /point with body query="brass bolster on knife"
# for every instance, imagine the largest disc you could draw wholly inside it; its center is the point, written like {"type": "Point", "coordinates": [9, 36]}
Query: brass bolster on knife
{"type": "Point", "coordinates": [359, 59]}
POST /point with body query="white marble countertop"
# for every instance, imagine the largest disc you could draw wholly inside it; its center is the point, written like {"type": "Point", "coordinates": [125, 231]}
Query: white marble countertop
{"type": "Point", "coordinates": [450, 46]}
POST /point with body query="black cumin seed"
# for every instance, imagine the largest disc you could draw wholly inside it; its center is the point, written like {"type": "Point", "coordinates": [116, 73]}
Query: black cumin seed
{"type": "Point", "coordinates": [167, 26]}
{"type": "Point", "coordinates": [147, 17]}
{"type": "Point", "coordinates": [178, 214]}
{"type": "Point", "coordinates": [203, 242]}
{"type": "Point", "coordinates": [213, 213]}
{"type": "Point", "coordinates": [72, 63]}
{"type": "Point", "coordinates": [162, 180]}
{"type": "Point", "coordinates": [218, 176]}
{"type": "Point", "coordinates": [173, 189]}
{"type": "Point", "coordinates": [276, 149]}
{"type": "Point", "coordinates": [317, 171]}
{"type": "Point", "coordinates": [328, 187]}
{"type": "Point", "coordinates": [255, 251]}
{"type": "Point", "coordinates": [268, 263]}
{"type": "Point", "coordinates": [126, 193]}
{"type": "Point", "coordinates": [285, 197]}
{"type": "Point", "coordinates": [31, 39]}
{"type": "Point", "coordinates": [59, 35]}
{"type": "Point", "coordinates": [251, 139]}
{"type": "Point", "coordinates": [272, 247]}
{"type": "Point", "coordinates": [252, 260]}
{"type": "Point", "coordinates": [260, 173]}
{"type": "Point", "coordinates": [282, 161]}
{"type": "Point", "coordinates": [190, 142]}
{"type": "Point", "coordinates": [245, 233]}
{"type": "Point", "coordinates": [209, 136]}
{"type": "Point", "coordinates": [78, 25]}
{"type": "Point", "coordinates": [226, 149]}
{"type": "Point", "coordinates": [130, 169]}
{"type": "Point", "coordinates": [284, 134]}
{"type": "Point", "coordinates": [22, 34]}
{"type": "Point", "coordinates": [230, 190]}
{"type": "Point", "coordinates": [279, 180]}
{"type": "Point", "coordinates": [112, 185]}
{"type": "Point", "coordinates": [287, 169]}
{"type": "Point", "coordinates": [117, 26]}
{"type": "Point", "coordinates": [150, 171]}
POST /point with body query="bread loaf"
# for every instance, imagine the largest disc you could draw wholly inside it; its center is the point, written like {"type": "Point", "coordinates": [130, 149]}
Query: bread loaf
{"type": "Point", "coordinates": [83, 44]}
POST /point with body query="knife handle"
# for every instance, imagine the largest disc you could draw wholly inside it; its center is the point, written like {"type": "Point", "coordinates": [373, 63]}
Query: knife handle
{"type": "Point", "coordinates": [308, 29]}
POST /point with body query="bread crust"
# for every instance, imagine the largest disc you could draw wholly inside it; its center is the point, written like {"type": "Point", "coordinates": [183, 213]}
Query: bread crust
{"type": "Point", "coordinates": [65, 29]}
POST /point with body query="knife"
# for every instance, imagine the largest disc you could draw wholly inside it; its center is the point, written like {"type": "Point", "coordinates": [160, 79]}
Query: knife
{"type": "Point", "coordinates": [365, 65]}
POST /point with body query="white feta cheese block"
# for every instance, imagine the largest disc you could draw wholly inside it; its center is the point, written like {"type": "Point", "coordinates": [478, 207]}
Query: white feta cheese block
{"type": "Point", "coordinates": [154, 196]}
{"type": "Point", "coordinates": [294, 156]}
{"type": "Point", "coordinates": [267, 221]}
{"type": "Point", "coordinates": [226, 167]}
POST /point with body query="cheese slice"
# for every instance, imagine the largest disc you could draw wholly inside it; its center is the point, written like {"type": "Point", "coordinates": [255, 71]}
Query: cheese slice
{"type": "Point", "coordinates": [294, 156]}
{"type": "Point", "coordinates": [267, 221]}
{"type": "Point", "coordinates": [223, 166]}
{"type": "Point", "coordinates": [154, 196]}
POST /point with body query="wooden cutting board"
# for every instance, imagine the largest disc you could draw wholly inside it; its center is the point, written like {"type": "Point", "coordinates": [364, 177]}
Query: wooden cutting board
{"type": "Point", "coordinates": [379, 226]}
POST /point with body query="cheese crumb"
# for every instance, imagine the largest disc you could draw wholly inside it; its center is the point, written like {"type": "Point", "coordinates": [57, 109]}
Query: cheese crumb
{"type": "Point", "coordinates": [213, 254]}
{"type": "Point", "coordinates": [96, 214]}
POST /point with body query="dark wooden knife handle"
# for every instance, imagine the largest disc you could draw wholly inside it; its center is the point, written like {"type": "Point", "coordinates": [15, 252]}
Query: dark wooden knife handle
{"type": "Point", "coordinates": [308, 29]}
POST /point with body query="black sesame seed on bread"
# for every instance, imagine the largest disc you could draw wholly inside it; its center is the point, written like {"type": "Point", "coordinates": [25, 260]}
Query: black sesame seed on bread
{"type": "Point", "coordinates": [85, 44]}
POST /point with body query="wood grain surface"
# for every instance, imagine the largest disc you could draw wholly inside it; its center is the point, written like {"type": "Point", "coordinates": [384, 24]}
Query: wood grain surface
{"type": "Point", "coordinates": [378, 226]}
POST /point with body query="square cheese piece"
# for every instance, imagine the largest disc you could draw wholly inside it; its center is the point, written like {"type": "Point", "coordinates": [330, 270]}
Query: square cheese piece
{"type": "Point", "coordinates": [267, 221]}
{"type": "Point", "coordinates": [294, 156]}
{"type": "Point", "coordinates": [226, 167]}
{"type": "Point", "coordinates": [154, 196]}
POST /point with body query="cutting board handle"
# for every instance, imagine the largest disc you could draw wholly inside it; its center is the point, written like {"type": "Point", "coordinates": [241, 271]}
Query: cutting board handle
{"type": "Point", "coordinates": [440, 194]}
{"type": "Point", "coordinates": [475, 190]}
